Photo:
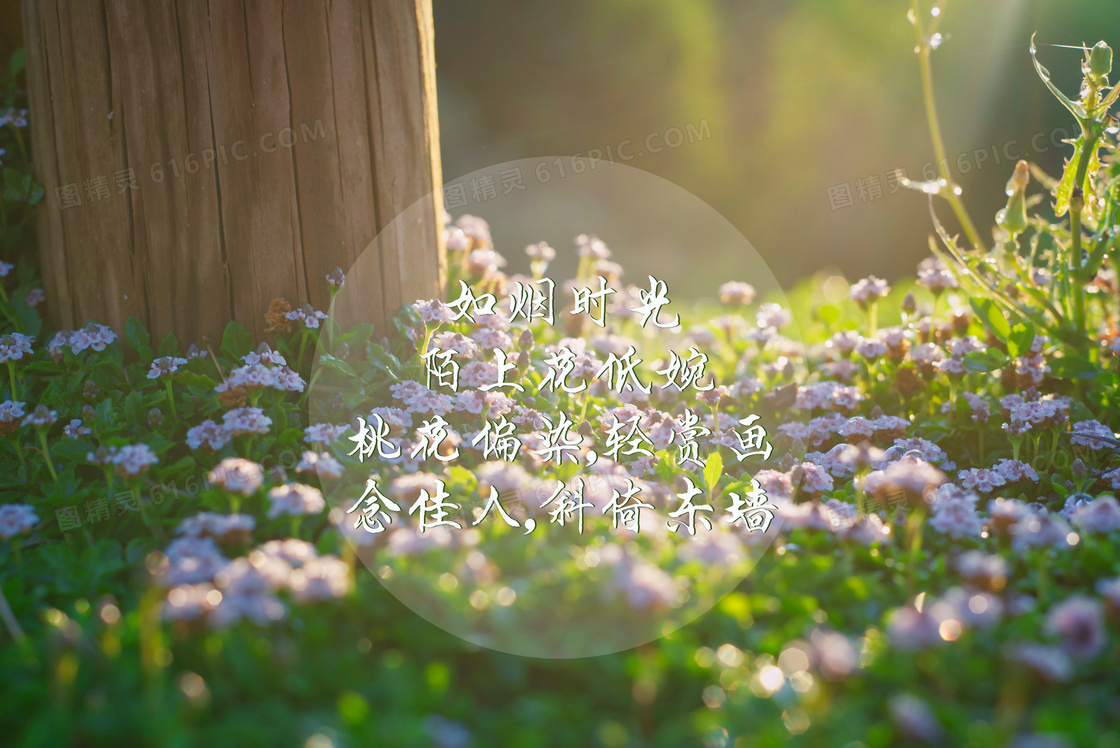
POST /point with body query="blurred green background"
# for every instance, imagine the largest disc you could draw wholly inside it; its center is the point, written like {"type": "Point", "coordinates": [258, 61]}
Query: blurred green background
{"type": "Point", "coordinates": [800, 96]}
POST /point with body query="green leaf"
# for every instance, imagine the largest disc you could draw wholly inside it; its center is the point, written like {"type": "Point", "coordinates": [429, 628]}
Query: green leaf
{"type": "Point", "coordinates": [106, 412]}
{"type": "Point", "coordinates": [1108, 101]}
{"type": "Point", "coordinates": [137, 336]}
{"type": "Point", "coordinates": [183, 463]}
{"type": "Point", "coordinates": [664, 470]}
{"type": "Point", "coordinates": [1079, 412]}
{"type": "Point", "coordinates": [1072, 367]}
{"type": "Point", "coordinates": [1057, 483]}
{"type": "Point", "coordinates": [1065, 187]}
{"type": "Point", "coordinates": [169, 346]}
{"type": "Point", "coordinates": [962, 409]}
{"type": "Point", "coordinates": [135, 333]}
{"type": "Point", "coordinates": [989, 313]}
{"type": "Point", "coordinates": [1075, 108]}
{"type": "Point", "coordinates": [713, 470]}
{"type": "Point", "coordinates": [360, 332]}
{"type": "Point", "coordinates": [337, 364]}
{"type": "Point", "coordinates": [461, 477]}
{"type": "Point", "coordinates": [984, 361]}
{"type": "Point", "coordinates": [45, 367]}
{"type": "Point", "coordinates": [1020, 340]}
{"type": "Point", "coordinates": [17, 62]}
{"type": "Point", "coordinates": [28, 320]}
{"type": "Point", "coordinates": [236, 341]}
{"type": "Point", "coordinates": [385, 361]}
{"type": "Point", "coordinates": [116, 355]}
{"type": "Point", "coordinates": [72, 450]}
{"type": "Point", "coordinates": [13, 179]}
{"type": "Point", "coordinates": [136, 549]}
{"type": "Point", "coordinates": [828, 313]}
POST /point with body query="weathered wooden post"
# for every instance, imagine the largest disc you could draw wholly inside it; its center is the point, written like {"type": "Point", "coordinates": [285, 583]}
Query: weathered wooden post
{"type": "Point", "coordinates": [202, 158]}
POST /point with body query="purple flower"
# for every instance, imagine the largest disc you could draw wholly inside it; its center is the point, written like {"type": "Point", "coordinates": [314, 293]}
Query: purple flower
{"type": "Point", "coordinates": [75, 429]}
{"type": "Point", "coordinates": [295, 499]}
{"type": "Point", "coordinates": [868, 290]}
{"type": "Point", "coordinates": [320, 465]}
{"type": "Point", "coordinates": [16, 519]}
{"type": "Point", "coordinates": [165, 366]}
{"type": "Point", "coordinates": [324, 432]}
{"type": "Point", "coordinates": [246, 421]}
{"type": "Point", "coordinates": [222, 527]}
{"type": "Point", "coordinates": [1084, 431]}
{"type": "Point", "coordinates": [736, 293]}
{"type": "Point", "coordinates": [1049, 663]}
{"type": "Point", "coordinates": [933, 274]}
{"type": "Point", "coordinates": [321, 578]}
{"type": "Point", "coordinates": [238, 475]}
{"type": "Point", "coordinates": [911, 629]}
{"type": "Point", "coordinates": [42, 417]}
{"type": "Point", "coordinates": [982, 480]}
{"type": "Point", "coordinates": [1100, 516]}
{"type": "Point", "coordinates": [914, 719]}
{"type": "Point", "coordinates": [134, 459]}
{"type": "Point", "coordinates": [208, 433]}
{"type": "Point", "coordinates": [956, 518]}
{"type": "Point", "coordinates": [14, 346]}
{"type": "Point", "coordinates": [983, 570]}
{"type": "Point", "coordinates": [1036, 531]}
{"type": "Point", "coordinates": [1078, 621]}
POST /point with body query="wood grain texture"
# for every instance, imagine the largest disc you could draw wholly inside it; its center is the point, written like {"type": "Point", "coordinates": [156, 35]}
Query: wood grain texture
{"type": "Point", "coordinates": [269, 141]}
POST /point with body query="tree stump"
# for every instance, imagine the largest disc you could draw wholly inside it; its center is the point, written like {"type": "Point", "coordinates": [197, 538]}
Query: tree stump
{"type": "Point", "coordinates": [203, 158]}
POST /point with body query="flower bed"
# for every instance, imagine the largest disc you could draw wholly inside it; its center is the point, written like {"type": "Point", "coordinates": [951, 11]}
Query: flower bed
{"type": "Point", "coordinates": [939, 461]}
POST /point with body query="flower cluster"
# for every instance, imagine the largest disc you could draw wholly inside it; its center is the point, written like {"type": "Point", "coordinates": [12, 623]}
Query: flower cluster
{"type": "Point", "coordinates": [93, 337]}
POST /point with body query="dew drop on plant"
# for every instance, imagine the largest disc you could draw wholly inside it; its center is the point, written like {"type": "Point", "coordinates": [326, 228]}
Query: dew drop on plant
{"type": "Point", "coordinates": [935, 41]}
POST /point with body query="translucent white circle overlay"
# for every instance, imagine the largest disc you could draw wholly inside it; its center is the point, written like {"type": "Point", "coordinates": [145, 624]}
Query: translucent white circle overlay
{"type": "Point", "coordinates": [555, 593]}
